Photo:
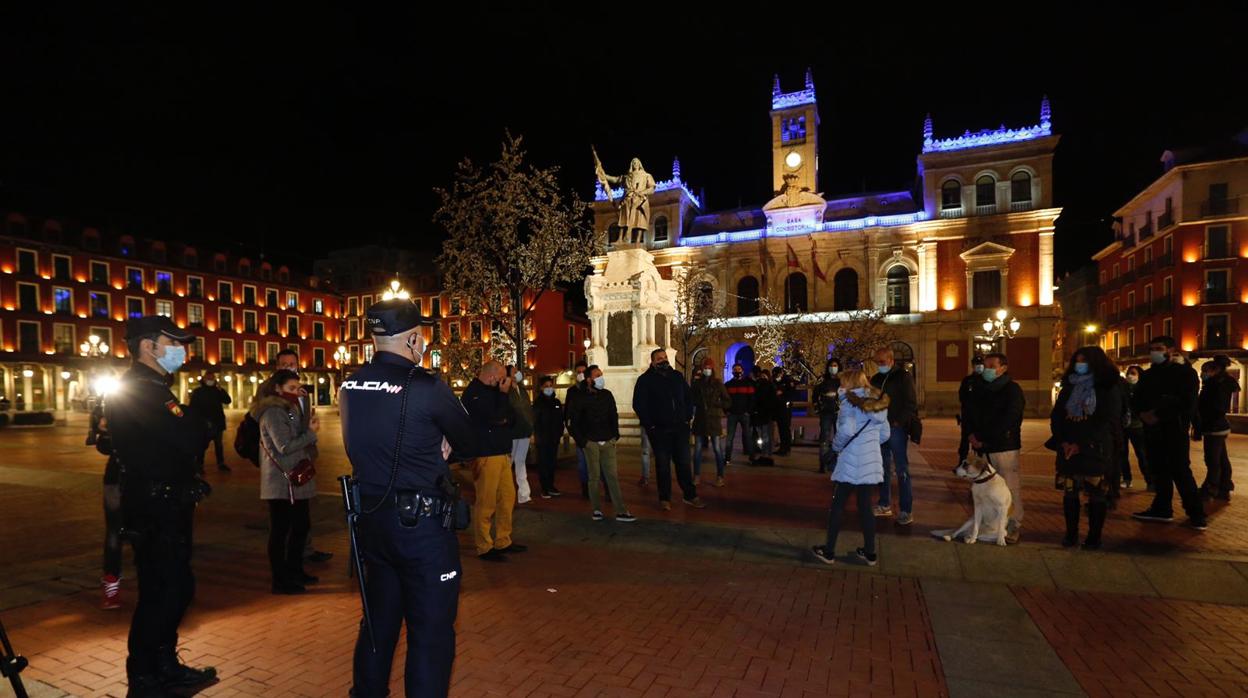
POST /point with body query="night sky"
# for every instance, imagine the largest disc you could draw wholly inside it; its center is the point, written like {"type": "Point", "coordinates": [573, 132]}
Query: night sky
{"type": "Point", "coordinates": [301, 132]}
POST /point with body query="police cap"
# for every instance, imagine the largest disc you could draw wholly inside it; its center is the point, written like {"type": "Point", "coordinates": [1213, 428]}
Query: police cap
{"type": "Point", "coordinates": [152, 325]}
{"type": "Point", "coordinates": [395, 316]}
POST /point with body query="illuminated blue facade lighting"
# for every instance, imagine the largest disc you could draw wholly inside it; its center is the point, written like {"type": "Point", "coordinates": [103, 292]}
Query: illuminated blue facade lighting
{"type": "Point", "coordinates": [989, 136]}
{"type": "Point", "coordinates": [675, 182]}
{"type": "Point", "coordinates": [826, 227]}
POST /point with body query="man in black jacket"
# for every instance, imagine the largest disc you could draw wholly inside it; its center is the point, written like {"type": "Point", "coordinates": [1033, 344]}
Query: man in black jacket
{"type": "Point", "coordinates": [664, 406]}
{"type": "Point", "coordinates": [549, 415]}
{"type": "Point", "coordinates": [764, 412]}
{"type": "Point", "coordinates": [741, 392]}
{"type": "Point", "coordinates": [595, 425]}
{"type": "Point", "coordinates": [785, 386]}
{"type": "Point", "coordinates": [966, 404]}
{"type": "Point", "coordinates": [903, 409]}
{"type": "Point", "coordinates": [1215, 399]}
{"type": "Point", "coordinates": [997, 430]}
{"type": "Point", "coordinates": [209, 399]}
{"type": "Point", "coordinates": [487, 402]}
{"type": "Point", "coordinates": [1165, 399]}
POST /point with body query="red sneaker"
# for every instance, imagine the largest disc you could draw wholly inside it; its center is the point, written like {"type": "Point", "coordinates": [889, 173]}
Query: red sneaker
{"type": "Point", "coordinates": [112, 592]}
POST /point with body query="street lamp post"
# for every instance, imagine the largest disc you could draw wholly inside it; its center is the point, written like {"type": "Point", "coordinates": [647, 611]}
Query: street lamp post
{"type": "Point", "coordinates": [396, 290]}
{"type": "Point", "coordinates": [587, 344]}
{"type": "Point", "coordinates": [996, 328]}
{"type": "Point", "coordinates": [93, 347]}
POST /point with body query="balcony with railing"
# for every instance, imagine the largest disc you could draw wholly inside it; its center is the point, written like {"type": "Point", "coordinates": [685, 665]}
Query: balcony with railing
{"type": "Point", "coordinates": [955, 212]}
{"type": "Point", "coordinates": [1129, 277]}
{"type": "Point", "coordinates": [1020, 205]}
{"type": "Point", "coordinates": [1211, 296]}
{"type": "Point", "coordinates": [1164, 305]}
{"type": "Point", "coordinates": [1165, 220]}
{"type": "Point", "coordinates": [1165, 261]}
{"type": "Point", "coordinates": [986, 209]}
{"type": "Point", "coordinates": [1146, 231]}
{"type": "Point", "coordinates": [1213, 208]}
{"type": "Point", "coordinates": [1146, 268]}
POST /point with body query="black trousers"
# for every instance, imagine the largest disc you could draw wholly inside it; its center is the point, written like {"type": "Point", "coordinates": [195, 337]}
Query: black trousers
{"type": "Point", "coordinates": [162, 560]}
{"type": "Point", "coordinates": [784, 423]}
{"type": "Point", "coordinates": [1169, 451]}
{"type": "Point", "coordinates": [218, 444]}
{"type": "Point", "coordinates": [1218, 481]}
{"type": "Point", "coordinates": [112, 530]}
{"type": "Point", "coordinates": [866, 515]}
{"type": "Point", "coordinates": [412, 576]}
{"type": "Point", "coordinates": [671, 446]}
{"type": "Point", "coordinates": [1135, 437]}
{"type": "Point", "coordinates": [547, 455]}
{"type": "Point", "coordinates": [964, 443]}
{"type": "Point", "coordinates": [288, 532]}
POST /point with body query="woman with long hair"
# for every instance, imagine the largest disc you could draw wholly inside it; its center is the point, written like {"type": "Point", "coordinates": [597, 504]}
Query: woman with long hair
{"type": "Point", "coordinates": [861, 428]}
{"type": "Point", "coordinates": [1086, 423]}
{"type": "Point", "coordinates": [285, 442]}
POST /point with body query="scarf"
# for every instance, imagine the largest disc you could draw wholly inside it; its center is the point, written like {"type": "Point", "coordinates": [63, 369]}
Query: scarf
{"type": "Point", "coordinates": [1082, 401]}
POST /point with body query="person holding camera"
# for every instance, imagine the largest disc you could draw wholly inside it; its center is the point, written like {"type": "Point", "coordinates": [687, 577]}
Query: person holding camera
{"type": "Point", "coordinates": [285, 448]}
{"type": "Point", "coordinates": [158, 443]}
{"type": "Point", "coordinates": [399, 422]}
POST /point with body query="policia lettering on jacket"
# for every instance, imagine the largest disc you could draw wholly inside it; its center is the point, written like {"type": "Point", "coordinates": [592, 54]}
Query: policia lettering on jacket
{"type": "Point", "coordinates": [395, 415]}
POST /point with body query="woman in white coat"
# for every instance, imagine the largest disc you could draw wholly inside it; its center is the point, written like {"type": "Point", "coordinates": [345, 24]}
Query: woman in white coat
{"type": "Point", "coordinates": [861, 427]}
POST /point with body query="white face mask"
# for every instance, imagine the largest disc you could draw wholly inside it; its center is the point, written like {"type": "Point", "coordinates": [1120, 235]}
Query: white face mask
{"type": "Point", "coordinates": [706, 372]}
{"type": "Point", "coordinates": [600, 382]}
{"type": "Point", "coordinates": [833, 370]}
{"type": "Point", "coordinates": [548, 392]}
{"type": "Point", "coordinates": [580, 376]}
{"type": "Point", "coordinates": [210, 382]}
{"type": "Point", "coordinates": [519, 377]}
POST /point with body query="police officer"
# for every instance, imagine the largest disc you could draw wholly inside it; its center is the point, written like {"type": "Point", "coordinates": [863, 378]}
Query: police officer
{"type": "Point", "coordinates": [158, 443]}
{"type": "Point", "coordinates": [395, 416]}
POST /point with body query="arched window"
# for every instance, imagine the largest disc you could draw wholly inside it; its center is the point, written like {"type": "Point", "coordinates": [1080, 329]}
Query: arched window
{"type": "Point", "coordinates": [950, 195]}
{"type": "Point", "coordinates": [747, 296]}
{"type": "Point", "coordinates": [898, 289]}
{"type": "Point", "coordinates": [660, 229]}
{"type": "Point", "coordinates": [1020, 188]}
{"type": "Point", "coordinates": [845, 290]}
{"type": "Point", "coordinates": [985, 193]}
{"type": "Point", "coordinates": [795, 293]}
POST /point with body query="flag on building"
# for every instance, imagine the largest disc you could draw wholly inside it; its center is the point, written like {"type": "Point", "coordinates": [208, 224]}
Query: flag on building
{"type": "Point", "coordinates": [814, 260]}
{"type": "Point", "coordinates": [792, 257]}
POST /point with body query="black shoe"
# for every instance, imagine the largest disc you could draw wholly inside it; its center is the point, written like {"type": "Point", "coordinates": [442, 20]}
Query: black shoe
{"type": "Point", "coordinates": [306, 579]}
{"type": "Point", "coordinates": [822, 554]}
{"type": "Point", "coordinates": [318, 556]}
{"type": "Point", "coordinates": [147, 687]}
{"type": "Point", "coordinates": [288, 588]}
{"type": "Point", "coordinates": [554, 492]}
{"type": "Point", "coordinates": [545, 494]}
{"type": "Point", "coordinates": [1069, 541]}
{"type": "Point", "coordinates": [1091, 545]}
{"type": "Point", "coordinates": [1199, 523]}
{"type": "Point", "coordinates": [861, 553]}
{"type": "Point", "coordinates": [1150, 515]}
{"type": "Point", "coordinates": [513, 548]}
{"type": "Point", "coordinates": [174, 674]}
{"type": "Point", "coordinates": [493, 556]}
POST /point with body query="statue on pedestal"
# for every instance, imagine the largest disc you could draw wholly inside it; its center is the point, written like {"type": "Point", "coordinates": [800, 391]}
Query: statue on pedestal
{"type": "Point", "coordinates": [634, 205]}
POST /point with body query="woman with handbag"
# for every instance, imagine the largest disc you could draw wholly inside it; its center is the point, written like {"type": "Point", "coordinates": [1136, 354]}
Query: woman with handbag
{"type": "Point", "coordinates": [1087, 432]}
{"type": "Point", "coordinates": [286, 477]}
{"type": "Point", "coordinates": [861, 428]}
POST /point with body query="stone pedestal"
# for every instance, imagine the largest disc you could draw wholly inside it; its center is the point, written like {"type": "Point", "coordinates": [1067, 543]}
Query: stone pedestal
{"type": "Point", "coordinates": [631, 310]}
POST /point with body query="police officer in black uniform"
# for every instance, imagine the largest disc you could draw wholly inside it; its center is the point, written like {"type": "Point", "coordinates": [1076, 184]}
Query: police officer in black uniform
{"type": "Point", "coordinates": [157, 443]}
{"type": "Point", "coordinates": [395, 416]}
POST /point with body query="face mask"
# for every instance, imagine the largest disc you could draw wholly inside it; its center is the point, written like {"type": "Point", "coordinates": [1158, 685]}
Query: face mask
{"type": "Point", "coordinates": [519, 377]}
{"type": "Point", "coordinates": [173, 359]}
{"type": "Point", "coordinates": [990, 374]}
{"type": "Point", "coordinates": [548, 392]}
{"type": "Point", "coordinates": [736, 374]}
{"type": "Point", "coordinates": [580, 376]}
{"type": "Point", "coordinates": [210, 383]}
{"type": "Point", "coordinates": [1133, 379]}
{"type": "Point", "coordinates": [663, 365]}
{"type": "Point", "coordinates": [979, 368]}
{"type": "Point", "coordinates": [600, 382]}
{"type": "Point", "coordinates": [883, 369]}
{"type": "Point", "coordinates": [706, 372]}
{"type": "Point", "coordinates": [833, 370]}
{"type": "Point", "coordinates": [1081, 368]}
{"type": "Point", "coordinates": [1158, 357]}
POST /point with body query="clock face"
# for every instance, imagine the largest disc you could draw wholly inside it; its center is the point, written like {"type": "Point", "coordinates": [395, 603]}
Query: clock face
{"type": "Point", "coordinates": [793, 160]}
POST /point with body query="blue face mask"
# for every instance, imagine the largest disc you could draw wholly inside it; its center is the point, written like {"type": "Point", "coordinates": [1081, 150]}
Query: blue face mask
{"type": "Point", "coordinates": [1158, 357]}
{"type": "Point", "coordinates": [979, 368]}
{"type": "Point", "coordinates": [173, 359]}
{"type": "Point", "coordinates": [600, 382]}
{"type": "Point", "coordinates": [989, 374]}
{"type": "Point", "coordinates": [1081, 368]}
{"type": "Point", "coordinates": [883, 369]}
{"type": "Point", "coordinates": [548, 391]}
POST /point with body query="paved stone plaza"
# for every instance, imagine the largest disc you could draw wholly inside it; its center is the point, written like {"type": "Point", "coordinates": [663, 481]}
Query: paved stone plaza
{"type": "Point", "coordinates": [719, 602]}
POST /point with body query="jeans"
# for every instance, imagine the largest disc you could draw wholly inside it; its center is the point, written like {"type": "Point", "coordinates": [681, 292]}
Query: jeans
{"type": "Point", "coordinates": [897, 458]}
{"type": "Point", "coordinates": [827, 432]}
{"type": "Point", "coordinates": [1218, 480]}
{"type": "Point", "coordinates": [717, 449]}
{"type": "Point", "coordinates": [866, 517]}
{"type": "Point", "coordinates": [582, 469]}
{"type": "Point", "coordinates": [412, 575]}
{"type": "Point", "coordinates": [519, 460]}
{"type": "Point", "coordinates": [1169, 450]}
{"type": "Point", "coordinates": [645, 455]}
{"type": "Point", "coordinates": [747, 446]}
{"type": "Point", "coordinates": [602, 468]}
{"type": "Point", "coordinates": [671, 446]}
{"type": "Point", "coordinates": [288, 529]}
{"type": "Point", "coordinates": [762, 439]}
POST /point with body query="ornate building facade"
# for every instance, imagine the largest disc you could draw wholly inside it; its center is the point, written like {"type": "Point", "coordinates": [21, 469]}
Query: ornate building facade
{"type": "Point", "coordinates": [975, 236]}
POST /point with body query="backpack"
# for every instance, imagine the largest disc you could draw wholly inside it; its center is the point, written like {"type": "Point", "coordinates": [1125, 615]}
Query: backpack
{"type": "Point", "coordinates": [247, 439]}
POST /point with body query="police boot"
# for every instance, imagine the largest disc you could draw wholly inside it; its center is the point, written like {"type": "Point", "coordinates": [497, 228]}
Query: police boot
{"type": "Point", "coordinates": [175, 674]}
{"type": "Point", "coordinates": [148, 686]}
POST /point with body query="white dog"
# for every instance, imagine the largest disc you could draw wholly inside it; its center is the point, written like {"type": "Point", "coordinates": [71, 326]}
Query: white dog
{"type": "Point", "coordinates": [992, 503]}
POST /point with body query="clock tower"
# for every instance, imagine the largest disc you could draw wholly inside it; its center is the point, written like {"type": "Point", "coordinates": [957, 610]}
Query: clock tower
{"type": "Point", "coordinates": [795, 136]}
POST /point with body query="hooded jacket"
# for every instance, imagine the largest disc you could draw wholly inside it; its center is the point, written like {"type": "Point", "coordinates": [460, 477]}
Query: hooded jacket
{"type": "Point", "coordinates": [861, 427]}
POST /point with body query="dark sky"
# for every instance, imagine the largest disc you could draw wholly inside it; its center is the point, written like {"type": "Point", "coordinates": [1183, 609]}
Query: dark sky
{"type": "Point", "coordinates": [303, 131]}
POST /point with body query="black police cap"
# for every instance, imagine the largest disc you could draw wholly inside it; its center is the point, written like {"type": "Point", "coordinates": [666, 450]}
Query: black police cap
{"type": "Point", "coordinates": [152, 325]}
{"type": "Point", "coordinates": [396, 316]}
